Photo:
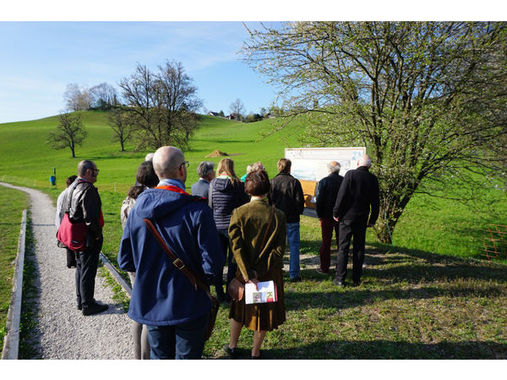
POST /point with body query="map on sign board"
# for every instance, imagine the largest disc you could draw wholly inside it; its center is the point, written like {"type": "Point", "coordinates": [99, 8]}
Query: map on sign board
{"type": "Point", "coordinates": [310, 164]}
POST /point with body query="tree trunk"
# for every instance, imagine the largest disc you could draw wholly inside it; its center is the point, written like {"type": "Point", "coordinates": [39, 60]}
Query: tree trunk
{"type": "Point", "coordinates": [384, 229]}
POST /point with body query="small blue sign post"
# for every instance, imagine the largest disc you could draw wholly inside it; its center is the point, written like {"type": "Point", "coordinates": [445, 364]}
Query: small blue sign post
{"type": "Point", "coordinates": [52, 179]}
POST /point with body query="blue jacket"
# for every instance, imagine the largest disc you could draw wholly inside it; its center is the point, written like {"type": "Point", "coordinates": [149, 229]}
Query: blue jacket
{"type": "Point", "coordinates": [162, 295]}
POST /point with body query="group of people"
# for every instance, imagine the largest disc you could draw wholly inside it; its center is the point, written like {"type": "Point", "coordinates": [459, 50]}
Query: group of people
{"type": "Point", "coordinates": [242, 222]}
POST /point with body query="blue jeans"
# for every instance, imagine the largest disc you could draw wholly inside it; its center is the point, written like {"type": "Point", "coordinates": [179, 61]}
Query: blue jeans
{"type": "Point", "coordinates": [293, 238]}
{"type": "Point", "coordinates": [183, 341]}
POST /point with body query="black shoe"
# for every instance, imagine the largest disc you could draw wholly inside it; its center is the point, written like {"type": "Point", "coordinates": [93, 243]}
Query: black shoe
{"type": "Point", "coordinates": [320, 271]}
{"type": "Point", "coordinates": [257, 357]}
{"type": "Point", "coordinates": [296, 279]}
{"type": "Point", "coordinates": [356, 283]}
{"type": "Point", "coordinates": [232, 352]}
{"type": "Point", "coordinates": [340, 284]}
{"type": "Point", "coordinates": [79, 307]}
{"type": "Point", "coordinates": [94, 308]}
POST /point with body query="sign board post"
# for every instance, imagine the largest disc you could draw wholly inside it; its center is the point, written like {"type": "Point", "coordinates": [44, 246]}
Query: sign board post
{"type": "Point", "coordinates": [309, 165]}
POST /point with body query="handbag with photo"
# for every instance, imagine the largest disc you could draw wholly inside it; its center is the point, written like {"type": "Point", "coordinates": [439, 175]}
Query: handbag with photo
{"type": "Point", "coordinates": [236, 288]}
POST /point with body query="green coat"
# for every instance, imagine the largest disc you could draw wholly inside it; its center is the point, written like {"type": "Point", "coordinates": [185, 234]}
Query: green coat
{"type": "Point", "coordinates": [246, 231]}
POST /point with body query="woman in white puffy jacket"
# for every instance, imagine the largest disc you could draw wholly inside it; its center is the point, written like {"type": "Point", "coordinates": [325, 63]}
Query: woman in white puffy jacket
{"type": "Point", "coordinates": [145, 178]}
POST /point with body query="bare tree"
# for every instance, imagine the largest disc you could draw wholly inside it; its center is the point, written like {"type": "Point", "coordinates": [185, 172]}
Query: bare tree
{"type": "Point", "coordinates": [69, 133]}
{"type": "Point", "coordinates": [237, 109]}
{"type": "Point", "coordinates": [161, 105]}
{"type": "Point", "coordinates": [76, 98]}
{"type": "Point", "coordinates": [120, 123]}
{"type": "Point", "coordinates": [427, 99]}
{"type": "Point", "coordinates": [103, 96]}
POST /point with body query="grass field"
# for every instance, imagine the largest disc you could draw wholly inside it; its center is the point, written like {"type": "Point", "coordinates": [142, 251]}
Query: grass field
{"type": "Point", "coordinates": [12, 204]}
{"type": "Point", "coordinates": [427, 296]}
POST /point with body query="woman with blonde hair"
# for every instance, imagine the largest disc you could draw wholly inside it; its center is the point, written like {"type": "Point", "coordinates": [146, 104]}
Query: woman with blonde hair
{"type": "Point", "coordinates": [226, 193]}
{"type": "Point", "coordinates": [257, 231]}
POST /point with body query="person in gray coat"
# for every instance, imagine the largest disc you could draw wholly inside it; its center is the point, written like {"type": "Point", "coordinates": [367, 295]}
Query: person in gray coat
{"type": "Point", "coordinates": [206, 173]}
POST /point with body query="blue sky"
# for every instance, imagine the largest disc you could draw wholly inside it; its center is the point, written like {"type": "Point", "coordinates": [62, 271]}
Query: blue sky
{"type": "Point", "coordinates": [40, 58]}
{"type": "Point", "coordinates": [40, 54]}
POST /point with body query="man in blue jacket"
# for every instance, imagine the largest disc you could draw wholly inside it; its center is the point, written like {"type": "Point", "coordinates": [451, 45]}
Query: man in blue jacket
{"type": "Point", "coordinates": [163, 298]}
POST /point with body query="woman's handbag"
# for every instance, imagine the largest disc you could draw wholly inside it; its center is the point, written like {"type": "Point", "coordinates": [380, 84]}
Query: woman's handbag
{"type": "Point", "coordinates": [195, 280]}
{"type": "Point", "coordinates": [236, 288]}
{"type": "Point", "coordinates": [72, 235]}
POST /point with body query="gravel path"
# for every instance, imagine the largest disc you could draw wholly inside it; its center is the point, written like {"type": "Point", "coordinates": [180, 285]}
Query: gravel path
{"type": "Point", "coordinates": [64, 333]}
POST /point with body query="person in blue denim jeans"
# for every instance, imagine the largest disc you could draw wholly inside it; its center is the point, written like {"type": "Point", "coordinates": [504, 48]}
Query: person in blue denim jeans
{"type": "Point", "coordinates": [287, 195]}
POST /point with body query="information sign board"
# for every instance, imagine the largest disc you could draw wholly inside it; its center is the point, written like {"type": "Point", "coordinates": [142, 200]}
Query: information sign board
{"type": "Point", "coordinates": [309, 165]}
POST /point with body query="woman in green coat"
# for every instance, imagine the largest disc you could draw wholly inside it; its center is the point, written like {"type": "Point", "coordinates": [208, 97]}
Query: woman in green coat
{"type": "Point", "coordinates": [257, 232]}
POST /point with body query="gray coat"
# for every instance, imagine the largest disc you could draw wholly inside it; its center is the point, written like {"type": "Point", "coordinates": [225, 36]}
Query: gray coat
{"type": "Point", "coordinates": [201, 188]}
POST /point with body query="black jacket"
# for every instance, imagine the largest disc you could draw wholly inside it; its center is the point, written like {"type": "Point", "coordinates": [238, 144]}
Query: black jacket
{"type": "Point", "coordinates": [359, 192]}
{"type": "Point", "coordinates": [224, 197]}
{"type": "Point", "coordinates": [287, 195]}
{"type": "Point", "coordinates": [327, 191]}
{"type": "Point", "coordinates": [85, 206]}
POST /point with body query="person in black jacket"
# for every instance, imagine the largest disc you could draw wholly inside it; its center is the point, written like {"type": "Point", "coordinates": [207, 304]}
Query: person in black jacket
{"type": "Point", "coordinates": [287, 195]}
{"type": "Point", "coordinates": [85, 206]}
{"type": "Point", "coordinates": [327, 191]}
{"type": "Point", "coordinates": [226, 193]}
{"type": "Point", "coordinates": [357, 199]}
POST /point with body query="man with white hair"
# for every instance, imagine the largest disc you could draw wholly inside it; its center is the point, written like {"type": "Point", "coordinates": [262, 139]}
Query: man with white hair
{"type": "Point", "coordinates": [326, 193]}
{"type": "Point", "coordinates": [163, 298]}
{"type": "Point", "coordinates": [358, 199]}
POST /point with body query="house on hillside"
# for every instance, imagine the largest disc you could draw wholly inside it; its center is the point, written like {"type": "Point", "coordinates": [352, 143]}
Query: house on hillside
{"type": "Point", "coordinates": [234, 116]}
{"type": "Point", "coordinates": [211, 113]}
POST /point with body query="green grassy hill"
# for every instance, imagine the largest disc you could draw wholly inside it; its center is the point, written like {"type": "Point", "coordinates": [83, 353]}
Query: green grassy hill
{"type": "Point", "coordinates": [429, 224]}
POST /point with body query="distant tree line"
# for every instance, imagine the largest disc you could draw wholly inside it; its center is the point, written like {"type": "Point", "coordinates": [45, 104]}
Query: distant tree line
{"type": "Point", "coordinates": [238, 113]}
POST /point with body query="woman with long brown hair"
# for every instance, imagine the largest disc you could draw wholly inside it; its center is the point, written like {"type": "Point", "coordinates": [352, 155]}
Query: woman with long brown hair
{"type": "Point", "coordinates": [226, 193]}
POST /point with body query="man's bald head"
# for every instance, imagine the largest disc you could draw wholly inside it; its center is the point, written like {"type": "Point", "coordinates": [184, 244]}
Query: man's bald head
{"type": "Point", "coordinates": [365, 161]}
{"type": "Point", "coordinates": [168, 163]}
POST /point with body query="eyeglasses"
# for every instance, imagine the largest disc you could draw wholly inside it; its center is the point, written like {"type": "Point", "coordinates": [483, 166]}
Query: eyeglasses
{"type": "Point", "coordinates": [186, 163]}
{"type": "Point", "coordinates": [96, 170]}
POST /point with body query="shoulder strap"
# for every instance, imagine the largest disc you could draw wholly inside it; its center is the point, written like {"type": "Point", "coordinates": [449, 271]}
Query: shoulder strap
{"type": "Point", "coordinates": [69, 194]}
{"type": "Point", "coordinates": [195, 280]}
{"type": "Point", "coordinates": [210, 194]}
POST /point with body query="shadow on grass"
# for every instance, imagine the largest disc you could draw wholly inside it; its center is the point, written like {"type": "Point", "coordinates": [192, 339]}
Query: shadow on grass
{"type": "Point", "coordinates": [384, 349]}
{"type": "Point", "coordinates": [415, 265]}
{"type": "Point", "coordinates": [353, 297]}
